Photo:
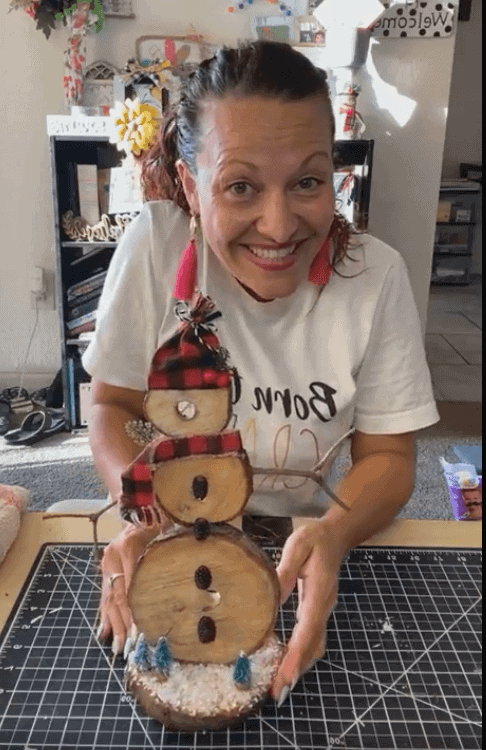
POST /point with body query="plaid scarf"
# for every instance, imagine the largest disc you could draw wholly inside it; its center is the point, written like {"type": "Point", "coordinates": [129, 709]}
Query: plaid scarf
{"type": "Point", "coordinates": [137, 502]}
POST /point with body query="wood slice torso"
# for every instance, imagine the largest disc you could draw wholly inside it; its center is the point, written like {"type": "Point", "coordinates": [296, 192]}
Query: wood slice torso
{"type": "Point", "coordinates": [212, 487]}
{"type": "Point", "coordinates": [212, 598]}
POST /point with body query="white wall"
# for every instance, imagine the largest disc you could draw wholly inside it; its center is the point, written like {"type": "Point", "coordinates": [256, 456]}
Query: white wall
{"type": "Point", "coordinates": [406, 176]}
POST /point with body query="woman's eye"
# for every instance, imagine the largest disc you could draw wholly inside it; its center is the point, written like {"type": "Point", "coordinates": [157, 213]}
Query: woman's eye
{"type": "Point", "coordinates": [309, 183]}
{"type": "Point", "coordinates": [236, 188]}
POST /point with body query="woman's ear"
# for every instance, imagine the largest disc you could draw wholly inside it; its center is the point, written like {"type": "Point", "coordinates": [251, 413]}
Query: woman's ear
{"type": "Point", "coordinates": [189, 185]}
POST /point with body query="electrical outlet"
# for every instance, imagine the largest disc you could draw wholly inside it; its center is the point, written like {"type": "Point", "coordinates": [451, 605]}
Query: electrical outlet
{"type": "Point", "coordinates": [48, 299]}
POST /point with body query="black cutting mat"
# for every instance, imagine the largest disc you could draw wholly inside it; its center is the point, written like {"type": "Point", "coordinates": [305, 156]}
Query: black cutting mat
{"type": "Point", "coordinates": [403, 667]}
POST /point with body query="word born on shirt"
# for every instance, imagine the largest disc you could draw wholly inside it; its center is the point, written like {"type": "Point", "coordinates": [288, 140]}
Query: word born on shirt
{"type": "Point", "coordinates": [322, 396]}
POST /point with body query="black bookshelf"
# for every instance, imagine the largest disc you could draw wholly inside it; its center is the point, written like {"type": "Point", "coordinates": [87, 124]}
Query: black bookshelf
{"type": "Point", "coordinates": [75, 261]}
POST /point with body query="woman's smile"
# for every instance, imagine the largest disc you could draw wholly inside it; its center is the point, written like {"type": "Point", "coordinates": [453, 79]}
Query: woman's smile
{"type": "Point", "coordinates": [273, 258]}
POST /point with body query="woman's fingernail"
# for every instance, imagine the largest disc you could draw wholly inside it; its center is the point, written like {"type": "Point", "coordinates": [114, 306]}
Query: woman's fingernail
{"type": "Point", "coordinates": [283, 695]}
{"type": "Point", "coordinates": [134, 633]}
{"type": "Point", "coordinates": [294, 683]}
{"type": "Point", "coordinates": [99, 631]}
{"type": "Point", "coordinates": [128, 648]}
{"type": "Point", "coordinates": [116, 647]}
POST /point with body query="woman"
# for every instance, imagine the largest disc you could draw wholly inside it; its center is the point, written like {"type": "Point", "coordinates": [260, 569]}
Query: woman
{"type": "Point", "coordinates": [319, 349]}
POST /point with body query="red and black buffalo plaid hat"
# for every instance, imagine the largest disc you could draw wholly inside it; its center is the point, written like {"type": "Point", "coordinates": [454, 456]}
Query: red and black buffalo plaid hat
{"type": "Point", "coordinates": [137, 500]}
{"type": "Point", "coordinates": [193, 358]}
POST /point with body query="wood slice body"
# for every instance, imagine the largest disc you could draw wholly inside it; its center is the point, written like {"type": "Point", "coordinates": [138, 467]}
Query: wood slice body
{"type": "Point", "coordinates": [213, 625]}
{"type": "Point", "coordinates": [213, 487]}
{"type": "Point", "coordinates": [207, 411]}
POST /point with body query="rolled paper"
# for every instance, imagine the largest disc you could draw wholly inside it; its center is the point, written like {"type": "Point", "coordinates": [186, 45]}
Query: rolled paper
{"type": "Point", "coordinates": [141, 655]}
{"type": "Point", "coordinates": [242, 672]}
{"type": "Point", "coordinates": [162, 657]}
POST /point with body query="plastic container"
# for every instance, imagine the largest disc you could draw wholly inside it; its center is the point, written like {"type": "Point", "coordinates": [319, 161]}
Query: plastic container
{"type": "Point", "coordinates": [465, 491]}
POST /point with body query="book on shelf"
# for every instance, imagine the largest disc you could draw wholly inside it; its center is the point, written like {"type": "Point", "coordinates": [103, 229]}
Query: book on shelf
{"type": "Point", "coordinates": [86, 286]}
{"type": "Point", "coordinates": [78, 322]}
{"type": "Point", "coordinates": [86, 336]}
{"type": "Point", "coordinates": [83, 298]}
{"type": "Point", "coordinates": [461, 184]}
{"type": "Point", "coordinates": [89, 207]}
{"type": "Point", "coordinates": [80, 310]}
{"type": "Point", "coordinates": [86, 327]}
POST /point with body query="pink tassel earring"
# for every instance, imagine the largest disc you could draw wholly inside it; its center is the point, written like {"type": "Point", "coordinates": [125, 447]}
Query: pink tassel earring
{"type": "Point", "coordinates": [186, 277]}
{"type": "Point", "coordinates": [321, 269]}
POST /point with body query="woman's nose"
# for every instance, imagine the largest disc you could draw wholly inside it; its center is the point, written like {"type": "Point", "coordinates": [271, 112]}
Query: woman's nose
{"type": "Point", "coordinates": [276, 221]}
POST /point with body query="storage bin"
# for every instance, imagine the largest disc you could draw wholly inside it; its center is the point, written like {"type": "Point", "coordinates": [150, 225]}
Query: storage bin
{"type": "Point", "coordinates": [452, 239]}
{"type": "Point", "coordinates": [454, 270]}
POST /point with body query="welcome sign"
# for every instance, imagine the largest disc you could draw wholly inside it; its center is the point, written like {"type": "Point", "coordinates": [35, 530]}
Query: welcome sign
{"type": "Point", "coordinates": [417, 18]}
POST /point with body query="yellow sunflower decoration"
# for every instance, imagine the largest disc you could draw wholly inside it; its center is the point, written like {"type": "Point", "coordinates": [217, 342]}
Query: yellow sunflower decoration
{"type": "Point", "coordinates": [136, 125]}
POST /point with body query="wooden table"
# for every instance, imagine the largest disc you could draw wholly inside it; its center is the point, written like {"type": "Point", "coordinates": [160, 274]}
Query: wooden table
{"type": "Point", "coordinates": [36, 531]}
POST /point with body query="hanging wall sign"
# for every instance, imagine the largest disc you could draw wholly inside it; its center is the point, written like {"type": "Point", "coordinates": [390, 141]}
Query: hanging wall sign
{"type": "Point", "coordinates": [417, 18]}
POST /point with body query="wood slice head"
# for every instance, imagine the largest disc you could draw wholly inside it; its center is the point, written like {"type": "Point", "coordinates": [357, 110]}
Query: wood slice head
{"type": "Point", "coordinates": [213, 599]}
{"type": "Point", "coordinates": [213, 487]}
{"type": "Point", "coordinates": [203, 411]}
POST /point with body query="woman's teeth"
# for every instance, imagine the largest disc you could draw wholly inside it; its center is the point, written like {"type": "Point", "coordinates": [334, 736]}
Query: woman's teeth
{"type": "Point", "coordinates": [273, 254]}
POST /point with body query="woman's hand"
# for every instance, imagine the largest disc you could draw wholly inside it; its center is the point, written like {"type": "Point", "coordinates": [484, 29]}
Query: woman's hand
{"type": "Point", "coordinates": [312, 557]}
{"type": "Point", "coordinates": [117, 566]}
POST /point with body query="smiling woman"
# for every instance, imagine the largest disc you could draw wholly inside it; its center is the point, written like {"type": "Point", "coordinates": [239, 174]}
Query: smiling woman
{"type": "Point", "coordinates": [244, 169]}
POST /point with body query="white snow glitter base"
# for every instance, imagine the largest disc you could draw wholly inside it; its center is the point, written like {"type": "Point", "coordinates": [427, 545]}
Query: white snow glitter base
{"type": "Point", "coordinates": [209, 689]}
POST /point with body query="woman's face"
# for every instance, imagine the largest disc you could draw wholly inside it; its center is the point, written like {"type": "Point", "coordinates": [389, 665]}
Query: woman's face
{"type": "Point", "coordinates": [264, 188]}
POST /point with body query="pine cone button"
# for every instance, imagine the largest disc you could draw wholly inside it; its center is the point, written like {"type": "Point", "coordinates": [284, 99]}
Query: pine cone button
{"type": "Point", "coordinates": [201, 529]}
{"type": "Point", "coordinates": [206, 630]}
{"type": "Point", "coordinates": [203, 578]}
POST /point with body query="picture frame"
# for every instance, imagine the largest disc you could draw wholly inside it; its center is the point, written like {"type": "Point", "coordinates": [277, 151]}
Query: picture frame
{"type": "Point", "coordinates": [160, 65]}
{"type": "Point", "coordinates": [179, 50]}
{"type": "Point", "coordinates": [309, 32]}
{"type": "Point", "coordinates": [144, 89]}
{"type": "Point", "coordinates": [273, 28]}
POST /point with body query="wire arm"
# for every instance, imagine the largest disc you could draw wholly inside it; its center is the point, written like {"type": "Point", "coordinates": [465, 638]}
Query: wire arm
{"type": "Point", "coordinates": [93, 517]}
{"type": "Point", "coordinates": [316, 477]}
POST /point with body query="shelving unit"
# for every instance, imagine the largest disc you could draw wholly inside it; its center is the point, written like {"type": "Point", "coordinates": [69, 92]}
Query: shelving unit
{"type": "Point", "coordinates": [86, 141]}
{"type": "Point", "coordinates": [71, 142]}
{"type": "Point", "coordinates": [453, 248]}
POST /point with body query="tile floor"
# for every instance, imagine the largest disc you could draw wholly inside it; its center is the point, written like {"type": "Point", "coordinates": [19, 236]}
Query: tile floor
{"type": "Point", "coordinates": [453, 341]}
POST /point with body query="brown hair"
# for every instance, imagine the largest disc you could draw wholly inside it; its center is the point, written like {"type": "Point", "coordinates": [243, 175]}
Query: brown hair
{"type": "Point", "coordinates": [260, 67]}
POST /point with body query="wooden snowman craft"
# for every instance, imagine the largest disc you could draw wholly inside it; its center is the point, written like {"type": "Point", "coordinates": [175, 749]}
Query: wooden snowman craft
{"type": "Point", "coordinates": [204, 598]}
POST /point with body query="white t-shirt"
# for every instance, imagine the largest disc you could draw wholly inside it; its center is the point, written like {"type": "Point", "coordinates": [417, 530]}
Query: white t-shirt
{"type": "Point", "coordinates": [312, 365]}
